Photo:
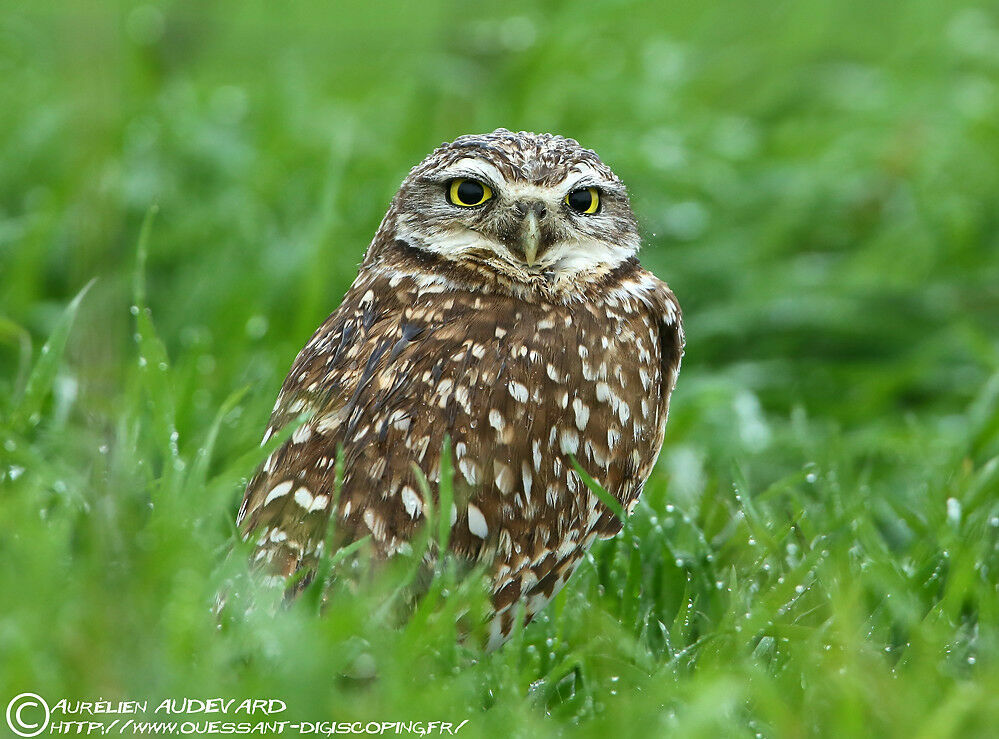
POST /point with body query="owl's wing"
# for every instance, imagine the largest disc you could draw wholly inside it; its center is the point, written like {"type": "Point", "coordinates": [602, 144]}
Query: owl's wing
{"type": "Point", "coordinates": [658, 338]}
{"type": "Point", "coordinates": [379, 380]}
{"type": "Point", "coordinates": [669, 321]}
{"type": "Point", "coordinates": [287, 503]}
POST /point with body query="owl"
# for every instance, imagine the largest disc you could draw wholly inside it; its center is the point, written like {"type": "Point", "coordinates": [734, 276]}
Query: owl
{"type": "Point", "coordinates": [500, 305]}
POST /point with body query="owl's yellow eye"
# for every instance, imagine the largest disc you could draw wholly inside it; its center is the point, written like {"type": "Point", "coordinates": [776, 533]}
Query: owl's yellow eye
{"type": "Point", "coordinates": [584, 200]}
{"type": "Point", "coordinates": [468, 193]}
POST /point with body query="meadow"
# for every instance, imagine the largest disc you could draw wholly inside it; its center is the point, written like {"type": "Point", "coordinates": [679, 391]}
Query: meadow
{"type": "Point", "coordinates": [817, 552]}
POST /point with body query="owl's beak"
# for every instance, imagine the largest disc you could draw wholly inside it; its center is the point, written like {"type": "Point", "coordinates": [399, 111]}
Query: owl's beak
{"type": "Point", "coordinates": [530, 238]}
{"type": "Point", "coordinates": [530, 229]}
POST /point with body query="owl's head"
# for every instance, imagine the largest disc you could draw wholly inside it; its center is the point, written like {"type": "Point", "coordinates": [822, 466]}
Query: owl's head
{"type": "Point", "coordinates": [525, 205]}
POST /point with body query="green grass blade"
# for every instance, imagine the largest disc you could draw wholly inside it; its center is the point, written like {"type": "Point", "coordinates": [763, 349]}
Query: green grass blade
{"type": "Point", "coordinates": [154, 364]}
{"type": "Point", "coordinates": [27, 410]}
{"type": "Point", "coordinates": [12, 333]}
{"type": "Point", "coordinates": [598, 490]}
{"type": "Point", "coordinates": [445, 496]}
{"type": "Point", "coordinates": [245, 464]}
{"type": "Point", "coordinates": [199, 472]}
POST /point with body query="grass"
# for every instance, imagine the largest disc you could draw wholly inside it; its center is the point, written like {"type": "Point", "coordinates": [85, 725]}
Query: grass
{"type": "Point", "coordinates": [817, 551]}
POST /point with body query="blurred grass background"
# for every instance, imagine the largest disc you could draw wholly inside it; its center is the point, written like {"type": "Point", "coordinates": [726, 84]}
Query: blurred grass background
{"type": "Point", "coordinates": [817, 551]}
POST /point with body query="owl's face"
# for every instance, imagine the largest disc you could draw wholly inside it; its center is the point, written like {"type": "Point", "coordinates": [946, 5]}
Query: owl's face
{"type": "Point", "coordinates": [522, 204]}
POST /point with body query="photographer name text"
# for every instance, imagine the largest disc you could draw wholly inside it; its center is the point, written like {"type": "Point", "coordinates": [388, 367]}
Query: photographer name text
{"type": "Point", "coordinates": [172, 706]}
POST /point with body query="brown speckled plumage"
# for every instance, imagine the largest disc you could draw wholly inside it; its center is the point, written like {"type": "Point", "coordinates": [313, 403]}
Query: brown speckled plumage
{"type": "Point", "coordinates": [446, 330]}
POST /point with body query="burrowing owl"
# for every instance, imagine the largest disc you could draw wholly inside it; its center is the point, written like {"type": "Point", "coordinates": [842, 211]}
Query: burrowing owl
{"type": "Point", "coordinates": [500, 303]}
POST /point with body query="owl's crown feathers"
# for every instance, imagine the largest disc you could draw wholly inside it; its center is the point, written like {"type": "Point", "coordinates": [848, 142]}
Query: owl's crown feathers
{"type": "Point", "coordinates": [537, 210]}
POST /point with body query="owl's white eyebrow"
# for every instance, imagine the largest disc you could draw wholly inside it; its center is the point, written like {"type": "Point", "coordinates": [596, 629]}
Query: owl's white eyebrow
{"type": "Point", "coordinates": [475, 168]}
{"type": "Point", "coordinates": [587, 177]}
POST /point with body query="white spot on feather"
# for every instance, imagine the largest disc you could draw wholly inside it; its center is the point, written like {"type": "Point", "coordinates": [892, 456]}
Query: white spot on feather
{"type": "Point", "coordinates": [411, 501]}
{"type": "Point", "coordinates": [302, 433]}
{"type": "Point", "coordinates": [328, 423]}
{"type": "Point", "coordinates": [528, 478]}
{"type": "Point", "coordinates": [399, 420]}
{"type": "Point", "coordinates": [279, 490]}
{"type": "Point", "coordinates": [444, 390]}
{"type": "Point", "coordinates": [496, 420]}
{"type": "Point", "coordinates": [564, 549]}
{"type": "Point", "coordinates": [504, 477]}
{"type": "Point", "coordinates": [518, 392]}
{"type": "Point", "coordinates": [569, 441]}
{"type": "Point", "coordinates": [496, 638]}
{"type": "Point", "coordinates": [375, 524]}
{"type": "Point", "coordinates": [461, 395]}
{"type": "Point", "coordinates": [419, 447]}
{"type": "Point", "coordinates": [470, 470]}
{"type": "Point", "coordinates": [304, 498]}
{"type": "Point", "coordinates": [477, 522]}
